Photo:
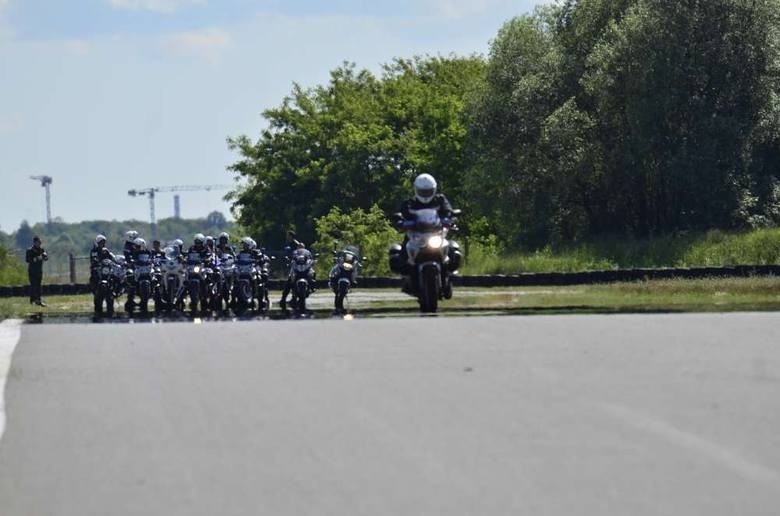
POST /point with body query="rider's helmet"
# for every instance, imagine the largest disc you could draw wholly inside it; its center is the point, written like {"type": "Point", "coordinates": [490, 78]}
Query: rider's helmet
{"type": "Point", "coordinates": [100, 239]}
{"type": "Point", "coordinates": [139, 243]}
{"type": "Point", "coordinates": [254, 244]}
{"type": "Point", "coordinates": [425, 188]}
{"type": "Point", "coordinates": [224, 238]}
{"type": "Point", "coordinates": [156, 243]}
{"type": "Point", "coordinates": [131, 235]}
{"type": "Point", "coordinates": [120, 260]}
{"type": "Point", "coordinates": [247, 242]}
{"type": "Point", "coordinates": [179, 243]}
{"type": "Point", "coordinates": [199, 239]}
{"type": "Point", "coordinates": [210, 242]}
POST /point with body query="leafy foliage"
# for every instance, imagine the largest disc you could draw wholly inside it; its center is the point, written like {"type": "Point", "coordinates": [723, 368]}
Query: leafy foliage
{"type": "Point", "coordinates": [370, 231]}
{"type": "Point", "coordinates": [355, 143]}
{"type": "Point", "coordinates": [11, 269]}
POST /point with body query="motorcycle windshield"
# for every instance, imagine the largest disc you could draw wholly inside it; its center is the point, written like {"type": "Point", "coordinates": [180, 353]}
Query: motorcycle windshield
{"type": "Point", "coordinates": [193, 258]}
{"type": "Point", "coordinates": [427, 219]}
{"type": "Point", "coordinates": [245, 259]}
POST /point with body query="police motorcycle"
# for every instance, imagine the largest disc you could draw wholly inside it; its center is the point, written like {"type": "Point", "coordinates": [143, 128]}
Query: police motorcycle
{"type": "Point", "coordinates": [343, 275]}
{"type": "Point", "coordinates": [170, 287]}
{"type": "Point", "coordinates": [432, 259]}
{"type": "Point", "coordinates": [245, 282]}
{"type": "Point", "coordinates": [198, 284]}
{"type": "Point", "coordinates": [224, 279]}
{"type": "Point", "coordinates": [263, 265]}
{"type": "Point", "coordinates": [142, 279]}
{"type": "Point", "coordinates": [301, 277]}
{"type": "Point", "coordinates": [108, 277]}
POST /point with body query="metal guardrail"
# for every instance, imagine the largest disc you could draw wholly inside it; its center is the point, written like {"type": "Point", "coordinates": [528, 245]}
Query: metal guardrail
{"type": "Point", "coordinates": [518, 280]}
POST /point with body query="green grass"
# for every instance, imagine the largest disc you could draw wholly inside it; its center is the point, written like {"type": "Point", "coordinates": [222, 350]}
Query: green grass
{"type": "Point", "coordinates": [714, 248]}
{"type": "Point", "coordinates": [708, 295]}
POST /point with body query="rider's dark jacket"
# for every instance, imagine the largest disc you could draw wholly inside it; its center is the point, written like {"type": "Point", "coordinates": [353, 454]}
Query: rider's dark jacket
{"type": "Point", "coordinates": [439, 202]}
{"type": "Point", "coordinates": [98, 254]}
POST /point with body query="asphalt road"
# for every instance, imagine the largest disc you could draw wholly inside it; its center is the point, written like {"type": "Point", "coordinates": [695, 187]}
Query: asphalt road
{"type": "Point", "coordinates": [603, 415]}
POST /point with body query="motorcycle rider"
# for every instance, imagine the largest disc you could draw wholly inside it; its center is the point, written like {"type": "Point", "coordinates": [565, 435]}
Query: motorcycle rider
{"type": "Point", "coordinates": [157, 251]}
{"type": "Point", "coordinates": [97, 254]}
{"type": "Point", "coordinates": [178, 245]}
{"type": "Point", "coordinates": [223, 245]}
{"type": "Point", "coordinates": [210, 243]}
{"type": "Point", "coordinates": [199, 246]}
{"type": "Point", "coordinates": [300, 249]}
{"type": "Point", "coordinates": [130, 237]}
{"type": "Point", "coordinates": [425, 197]}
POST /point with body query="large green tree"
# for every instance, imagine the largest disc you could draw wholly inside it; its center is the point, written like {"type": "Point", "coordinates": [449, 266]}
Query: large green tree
{"type": "Point", "coordinates": [356, 142]}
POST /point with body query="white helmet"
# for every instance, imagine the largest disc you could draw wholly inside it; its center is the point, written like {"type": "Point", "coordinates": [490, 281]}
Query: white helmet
{"type": "Point", "coordinates": [209, 240]}
{"type": "Point", "coordinates": [120, 259]}
{"type": "Point", "coordinates": [99, 239]}
{"type": "Point", "coordinates": [199, 238]}
{"type": "Point", "coordinates": [140, 242]}
{"type": "Point", "coordinates": [425, 188]}
{"type": "Point", "coordinates": [178, 242]}
{"type": "Point", "coordinates": [247, 242]}
{"type": "Point", "coordinates": [224, 235]}
{"type": "Point", "coordinates": [131, 235]}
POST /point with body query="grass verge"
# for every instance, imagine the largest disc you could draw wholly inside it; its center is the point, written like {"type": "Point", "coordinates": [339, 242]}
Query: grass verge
{"type": "Point", "coordinates": [707, 295]}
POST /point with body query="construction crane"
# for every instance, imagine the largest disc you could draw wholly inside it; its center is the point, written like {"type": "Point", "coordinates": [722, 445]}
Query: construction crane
{"type": "Point", "coordinates": [46, 183]}
{"type": "Point", "coordinates": [152, 192]}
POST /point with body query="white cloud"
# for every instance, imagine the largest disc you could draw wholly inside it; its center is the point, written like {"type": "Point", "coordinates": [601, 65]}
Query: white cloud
{"type": "Point", "coordinates": [206, 44]}
{"type": "Point", "coordinates": [158, 6]}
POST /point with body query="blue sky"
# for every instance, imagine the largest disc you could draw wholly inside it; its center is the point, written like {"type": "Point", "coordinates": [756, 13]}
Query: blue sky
{"type": "Point", "coordinates": [109, 95]}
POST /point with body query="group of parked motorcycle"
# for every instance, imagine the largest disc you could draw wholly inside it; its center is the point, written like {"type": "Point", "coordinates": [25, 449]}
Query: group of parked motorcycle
{"type": "Point", "coordinates": [212, 277]}
{"type": "Point", "coordinates": [222, 283]}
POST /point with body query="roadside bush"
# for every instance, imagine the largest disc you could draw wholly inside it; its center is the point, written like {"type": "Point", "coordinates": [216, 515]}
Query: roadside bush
{"type": "Point", "coordinates": [370, 231]}
{"type": "Point", "coordinates": [11, 269]}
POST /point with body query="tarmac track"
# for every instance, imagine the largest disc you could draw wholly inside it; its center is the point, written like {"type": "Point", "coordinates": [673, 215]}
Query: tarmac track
{"type": "Point", "coordinates": [607, 415]}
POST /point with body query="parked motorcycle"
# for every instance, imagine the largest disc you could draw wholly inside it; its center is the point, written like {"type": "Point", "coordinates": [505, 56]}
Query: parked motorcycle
{"type": "Point", "coordinates": [107, 275]}
{"type": "Point", "coordinates": [244, 285]}
{"type": "Point", "coordinates": [343, 275]}
{"type": "Point", "coordinates": [224, 279]}
{"type": "Point", "coordinates": [431, 258]}
{"type": "Point", "coordinates": [142, 278]}
{"type": "Point", "coordinates": [198, 277]}
{"type": "Point", "coordinates": [302, 277]}
{"type": "Point", "coordinates": [170, 290]}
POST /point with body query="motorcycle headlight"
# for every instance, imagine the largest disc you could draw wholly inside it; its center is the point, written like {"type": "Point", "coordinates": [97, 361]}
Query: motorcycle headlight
{"type": "Point", "coordinates": [347, 266]}
{"type": "Point", "coordinates": [196, 270]}
{"type": "Point", "coordinates": [435, 242]}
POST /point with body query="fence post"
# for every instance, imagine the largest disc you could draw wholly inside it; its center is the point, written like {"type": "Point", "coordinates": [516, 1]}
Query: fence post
{"type": "Point", "coordinates": [72, 266]}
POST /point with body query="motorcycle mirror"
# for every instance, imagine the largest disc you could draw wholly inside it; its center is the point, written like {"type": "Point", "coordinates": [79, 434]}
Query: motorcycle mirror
{"type": "Point", "coordinates": [457, 212]}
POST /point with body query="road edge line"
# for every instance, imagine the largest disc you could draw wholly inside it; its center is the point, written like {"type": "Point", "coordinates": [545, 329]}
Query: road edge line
{"type": "Point", "coordinates": [10, 333]}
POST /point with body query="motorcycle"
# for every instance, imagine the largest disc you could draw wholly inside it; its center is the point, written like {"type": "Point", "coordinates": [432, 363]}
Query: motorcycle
{"type": "Point", "coordinates": [244, 285]}
{"type": "Point", "coordinates": [343, 275]}
{"type": "Point", "coordinates": [141, 278]}
{"type": "Point", "coordinates": [224, 278]}
{"type": "Point", "coordinates": [301, 276]}
{"type": "Point", "coordinates": [198, 277]}
{"type": "Point", "coordinates": [170, 288]}
{"type": "Point", "coordinates": [432, 259]}
{"type": "Point", "coordinates": [263, 266]}
{"type": "Point", "coordinates": [107, 276]}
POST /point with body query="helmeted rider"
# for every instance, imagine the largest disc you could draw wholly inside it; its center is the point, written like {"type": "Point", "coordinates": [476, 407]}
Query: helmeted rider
{"type": "Point", "coordinates": [199, 246]}
{"type": "Point", "coordinates": [425, 197]}
{"type": "Point", "coordinates": [157, 251]}
{"type": "Point", "coordinates": [300, 250]}
{"type": "Point", "coordinates": [178, 244]}
{"type": "Point", "coordinates": [97, 254]}
{"type": "Point", "coordinates": [130, 237]}
{"type": "Point", "coordinates": [223, 244]}
{"type": "Point", "coordinates": [210, 243]}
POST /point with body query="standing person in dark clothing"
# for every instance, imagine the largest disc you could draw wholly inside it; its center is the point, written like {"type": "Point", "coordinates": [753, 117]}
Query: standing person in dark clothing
{"type": "Point", "coordinates": [35, 258]}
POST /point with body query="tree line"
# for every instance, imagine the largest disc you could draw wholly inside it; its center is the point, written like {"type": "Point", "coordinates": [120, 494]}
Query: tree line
{"type": "Point", "coordinates": [587, 118]}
